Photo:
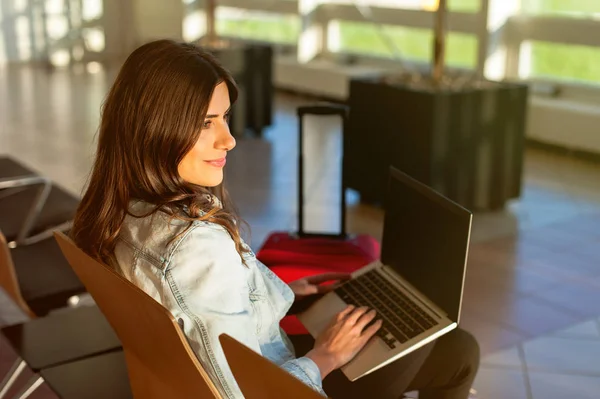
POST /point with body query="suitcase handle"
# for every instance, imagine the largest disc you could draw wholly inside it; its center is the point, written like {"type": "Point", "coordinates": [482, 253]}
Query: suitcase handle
{"type": "Point", "coordinates": [323, 109]}
{"type": "Point", "coordinates": [320, 110]}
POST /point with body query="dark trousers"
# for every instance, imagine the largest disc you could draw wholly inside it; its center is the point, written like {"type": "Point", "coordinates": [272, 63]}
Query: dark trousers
{"type": "Point", "coordinates": [444, 369]}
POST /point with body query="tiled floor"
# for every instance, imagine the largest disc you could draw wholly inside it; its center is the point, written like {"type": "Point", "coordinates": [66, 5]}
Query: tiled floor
{"type": "Point", "coordinates": [534, 267]}
{"type": "Point", "coordinates": [562, 364]}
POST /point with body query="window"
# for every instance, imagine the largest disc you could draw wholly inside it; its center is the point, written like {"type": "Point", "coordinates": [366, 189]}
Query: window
{"type": "Point", "coordinates": [93, 39]}
{"type": "Point", "coordinates": [571, 8]}
{"type": "Point", "coordinates": [562, 61]}
{"type": "Point", "coordinates": [464, 5]}
{"type": "Point", "coordinates": [23, 40]}
{"type": "Point", "coordinates": [431, 5]}
{"type": "Point", "coordinates": [412, 43]}
{"type": "Point", "coordinates": [57, 26]}
{"type": "Point", "coordinates": [272, 27]}
{"type": "Point", "coordinates": [91, 9]}
{"type": "Point", "coordinates": [54, 6]}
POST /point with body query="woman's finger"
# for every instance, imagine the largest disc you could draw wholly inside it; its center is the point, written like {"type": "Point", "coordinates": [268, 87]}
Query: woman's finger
{"type": "Point", "coordinates": [366, 318]}
{"type": "Point", "coordinates": [372, 330]}
{"type": "Point", "coordinates": [345, 312]}
{"type": "Point", "coordinates": [356, 314]}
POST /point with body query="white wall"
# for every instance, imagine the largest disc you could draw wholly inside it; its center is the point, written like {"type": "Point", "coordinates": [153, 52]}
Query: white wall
{"type": "Point", "coordinates": [131, 23]}
{"type": "Point", "coordinates": [565, 123]}
{"type": "Point", "coordinates": [158, 19]}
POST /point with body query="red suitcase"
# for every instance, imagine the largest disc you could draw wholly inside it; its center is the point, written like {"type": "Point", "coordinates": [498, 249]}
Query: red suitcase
{"type": "Point", "coordinates": [297, 255]}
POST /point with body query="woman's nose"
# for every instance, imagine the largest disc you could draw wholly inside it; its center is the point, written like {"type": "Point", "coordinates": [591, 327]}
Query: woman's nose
{"type": "Point", "coordinates": [225, 141]}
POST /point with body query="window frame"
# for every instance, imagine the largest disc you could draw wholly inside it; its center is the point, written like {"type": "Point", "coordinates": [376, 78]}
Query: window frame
{"type": "Point", "coordinates": [517, 28]}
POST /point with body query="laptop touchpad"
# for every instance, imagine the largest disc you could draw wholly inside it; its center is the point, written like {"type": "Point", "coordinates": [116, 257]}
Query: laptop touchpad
{"type": "Point", "coordinates": [320, 314]}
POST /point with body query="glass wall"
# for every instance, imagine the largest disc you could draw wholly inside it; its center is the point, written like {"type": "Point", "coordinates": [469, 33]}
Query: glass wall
{"type": "Point", "coordinates": [563, 8]}
{"type": "Point", "coordinates": [258, 25]}
{"type": "Point", "coordinates": [54, 31]}
{"type": "Point", "coordinates": [562, 61]}
{"type": "Point", "coordinates": [408, 43]}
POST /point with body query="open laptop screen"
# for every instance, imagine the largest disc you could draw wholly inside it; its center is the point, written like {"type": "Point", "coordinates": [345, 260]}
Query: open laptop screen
{"type": "Point", "coordinates": [425, 239]}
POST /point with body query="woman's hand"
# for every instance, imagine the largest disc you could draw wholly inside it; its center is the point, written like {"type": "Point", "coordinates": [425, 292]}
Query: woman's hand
{"type": "Point", "coordinates": [311, 285]}
{"type": "Point", "coordinates": [343, 338]}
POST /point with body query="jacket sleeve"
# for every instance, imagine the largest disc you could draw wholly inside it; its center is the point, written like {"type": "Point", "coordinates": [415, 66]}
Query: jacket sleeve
{"type": "Point", "coordinates": [209, 284]}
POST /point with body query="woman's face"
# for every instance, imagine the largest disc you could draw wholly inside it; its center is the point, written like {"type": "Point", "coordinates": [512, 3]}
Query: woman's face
{"type": "Point", "coordinates": [204, 164]}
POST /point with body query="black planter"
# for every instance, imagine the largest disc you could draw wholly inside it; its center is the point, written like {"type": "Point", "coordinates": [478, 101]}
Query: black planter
{"type": "Point", "coordinates": [467, 144]}
{"type": "Point", "coordinates": [251, 65]}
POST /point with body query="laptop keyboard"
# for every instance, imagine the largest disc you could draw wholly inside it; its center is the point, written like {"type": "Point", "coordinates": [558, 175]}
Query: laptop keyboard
{"type": "Point", "coordinates": [402, 318]}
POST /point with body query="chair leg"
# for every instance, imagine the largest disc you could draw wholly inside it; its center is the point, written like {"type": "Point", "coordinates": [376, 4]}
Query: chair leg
{"type": "Point", "coordinates": [33, 384]}
{"type": "Point", "coordinates": [63, 227]}
{"type": "Point", "coordinates": [12, 375]}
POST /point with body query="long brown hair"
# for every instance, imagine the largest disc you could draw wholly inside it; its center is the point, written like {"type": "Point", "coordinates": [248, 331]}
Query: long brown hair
{"type": "Point", "coordinates": [151, 118]}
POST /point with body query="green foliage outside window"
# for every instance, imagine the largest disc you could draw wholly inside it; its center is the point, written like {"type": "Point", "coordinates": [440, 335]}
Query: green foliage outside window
{"type": "Point", "coordinates": [412, 43]}
{"type": "Point", "coordinates": [260, 26]}
{"type": "Point", "coordinates": [564, 61]}
{"type": "Point", "coordinates": [575, 8]}
{"type": "Point", "coordinates": [464, 5]}
{"type": "Point", "coordinates": [552, 60]}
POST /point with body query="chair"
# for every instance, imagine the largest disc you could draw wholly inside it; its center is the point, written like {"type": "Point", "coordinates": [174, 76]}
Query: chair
{"type": "Point", "coordinates": [60, 338]}
{"type": "Point", "coordinates": [34, 273]}
{"type": "Point", "coordinates": [159, 359]}
{"type": "Point", "coordinates": [37, 277]}
{"type": "Point", "coordinates": [31, 206]}
{"type": "Point", "coordinates": [8, 278]}
{"type": "Point", "coordinates": [99, 377]}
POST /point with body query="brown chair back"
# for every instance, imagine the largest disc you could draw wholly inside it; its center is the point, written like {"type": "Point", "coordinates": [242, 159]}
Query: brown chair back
{"type": "Point", "coordinates": [8, 278]}
{"type": "Point", "coordinates": [160, 362]}
{"type": "Point", "coordinates": [257, 377]}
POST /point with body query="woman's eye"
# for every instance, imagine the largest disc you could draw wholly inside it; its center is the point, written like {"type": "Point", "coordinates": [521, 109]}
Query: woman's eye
{"type": "Point", "coordinates": [206, 124]}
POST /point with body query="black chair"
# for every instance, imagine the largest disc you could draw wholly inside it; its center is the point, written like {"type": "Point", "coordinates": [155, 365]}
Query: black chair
{"type": "Point", "coordinates": [31, 206]}
{"type": "Point", "coordinates": [48, 342]}
{"type": "Point", "coordinates": [33, 270]}
{"type": "Point", "coordinates": [98, 377]}
{"type": "Point", "coordinates": [42, 279]}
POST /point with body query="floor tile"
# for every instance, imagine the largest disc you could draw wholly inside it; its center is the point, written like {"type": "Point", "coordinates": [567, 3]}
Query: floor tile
{"type": "Point", "coordinates": [506, 358]}
{"type": "Point", "coordinates": [579, 299]}
{"type": "Point", "coordinates": [506, 252]}
{"type": "Point", "coordinates": [490, 335]}
{"type": "Point", "coordinates": [483, 277]}
{"type": "Point", "coordinates": [588, 329]}
{"type": "Point", "coordinates": [557, 386]}
{"type": "Point", "coordinates": [528, 315]}
{"type": "Point", "coordinates": [497, 383]}
{"type": "Point", "coordinates": [567, 355]}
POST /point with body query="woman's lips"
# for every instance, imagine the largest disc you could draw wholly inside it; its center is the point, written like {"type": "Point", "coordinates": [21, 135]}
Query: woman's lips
{"type": "Point", "coordinates": [217, 163]}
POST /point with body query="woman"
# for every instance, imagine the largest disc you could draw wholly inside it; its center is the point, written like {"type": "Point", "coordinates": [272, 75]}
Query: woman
{"type": "Point", "coordinates": [155, 210]}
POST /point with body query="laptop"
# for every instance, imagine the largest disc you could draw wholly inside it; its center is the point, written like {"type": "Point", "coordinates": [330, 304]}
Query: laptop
{"type": "Point", "coordinates": [417, 285]}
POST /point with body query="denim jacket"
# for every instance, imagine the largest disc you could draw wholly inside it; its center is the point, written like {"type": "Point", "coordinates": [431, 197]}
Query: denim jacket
{"type": "Point", "coordinates": [201, 279]}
